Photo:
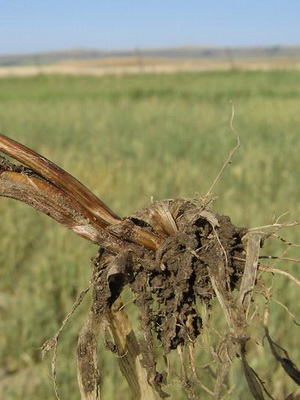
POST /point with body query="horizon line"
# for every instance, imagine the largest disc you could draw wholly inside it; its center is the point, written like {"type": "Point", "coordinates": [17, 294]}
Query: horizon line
{"type": "Point", "coordinates": [146, 48]}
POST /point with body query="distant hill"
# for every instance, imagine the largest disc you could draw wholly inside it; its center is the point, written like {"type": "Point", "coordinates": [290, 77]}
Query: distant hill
{"type": "Point", "coordinates": [179, 53]}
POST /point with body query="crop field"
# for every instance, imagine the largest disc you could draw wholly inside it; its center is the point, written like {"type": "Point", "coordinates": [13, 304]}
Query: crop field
{"type": "Point", "coordinates": [131, 140]}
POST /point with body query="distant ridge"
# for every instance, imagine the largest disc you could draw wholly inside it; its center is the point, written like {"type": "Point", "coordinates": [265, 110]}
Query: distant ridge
{"type": "Point", "coordinates": [177, 53]}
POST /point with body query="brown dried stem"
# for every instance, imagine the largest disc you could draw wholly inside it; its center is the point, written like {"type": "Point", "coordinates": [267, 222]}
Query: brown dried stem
{"type": "Point", "coordinates": [249, 275]}
{"type": "Point", "coordinates": [129, 354]}
{"type": "Point", "coordinates": [88, 374]}
{"type": "Point", "coordinates": [60, 178]}
{"type": "Point", "coordinates": [55, 203]}
{"type": "Point", "coordinates": [56, 193]}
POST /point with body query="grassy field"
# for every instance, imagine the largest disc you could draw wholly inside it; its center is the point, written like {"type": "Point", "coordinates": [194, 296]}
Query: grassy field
{"type": "Point", "coordinates": [130, 139]}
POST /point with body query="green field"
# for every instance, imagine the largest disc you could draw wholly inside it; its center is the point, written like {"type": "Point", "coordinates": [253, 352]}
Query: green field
{"type": "Point", "coordinates": [130, 139]}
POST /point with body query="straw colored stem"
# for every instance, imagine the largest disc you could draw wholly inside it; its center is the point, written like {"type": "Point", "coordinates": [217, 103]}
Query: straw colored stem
{"type": "Point", "coordinates": [55, 192]}
{"type": "Point", "coordinates": [53, 202]}
{"type": "Point", "coordinates": [59, 178]}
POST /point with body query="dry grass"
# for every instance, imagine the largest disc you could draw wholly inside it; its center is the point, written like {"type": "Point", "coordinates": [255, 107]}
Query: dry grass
{"type": "Point", "coordinates": [136, 65]}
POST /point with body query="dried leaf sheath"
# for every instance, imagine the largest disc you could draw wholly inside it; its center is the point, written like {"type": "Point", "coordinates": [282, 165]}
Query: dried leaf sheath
{"type": "Point", "coordinates": [53, 202]}
{"type": "Point", "coordinates": [59, 178]}
{"type": "Point", "coordinates": [56, 193]}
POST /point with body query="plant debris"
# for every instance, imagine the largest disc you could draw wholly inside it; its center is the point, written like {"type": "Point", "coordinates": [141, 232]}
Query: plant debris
{"type": "Point", "coordinates": [168, 283]}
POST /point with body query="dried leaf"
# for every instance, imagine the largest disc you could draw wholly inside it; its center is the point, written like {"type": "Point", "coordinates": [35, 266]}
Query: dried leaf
{"type": "Point", "coordinates": [287, 364]}
{"type": "Point", "coordinates": [253, 381]}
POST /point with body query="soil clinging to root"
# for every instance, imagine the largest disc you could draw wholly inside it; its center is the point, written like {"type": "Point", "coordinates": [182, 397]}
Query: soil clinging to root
{"type": "Point", "coordinates": [168, 282]}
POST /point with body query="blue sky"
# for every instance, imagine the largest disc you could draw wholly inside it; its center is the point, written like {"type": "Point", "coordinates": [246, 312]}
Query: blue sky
{"type": "Point", "coordinates": [30, 26]}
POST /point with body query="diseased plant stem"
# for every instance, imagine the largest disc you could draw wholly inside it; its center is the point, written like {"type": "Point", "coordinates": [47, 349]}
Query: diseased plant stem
{"type": "Point", "coordinates": [56, 193]}
{"type": "Point", "coordinates": [129, 355]}
{"type": "Point", "coordinates": [88, 374]}
{"type": "Point", "coordinates": [60, 178]}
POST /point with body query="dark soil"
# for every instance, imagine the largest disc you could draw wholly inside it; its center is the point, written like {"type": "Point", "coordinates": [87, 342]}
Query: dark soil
{"type": "Point", "coordinates": [167, 283]}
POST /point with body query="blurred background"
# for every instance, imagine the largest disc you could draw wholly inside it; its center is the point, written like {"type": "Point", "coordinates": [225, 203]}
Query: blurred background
{"type": "Point", "coordinates": [133, 99]}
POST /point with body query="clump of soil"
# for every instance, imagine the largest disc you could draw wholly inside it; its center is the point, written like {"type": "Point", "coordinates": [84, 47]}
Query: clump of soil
{"type": "Point", "coordinates": [168, 282]}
